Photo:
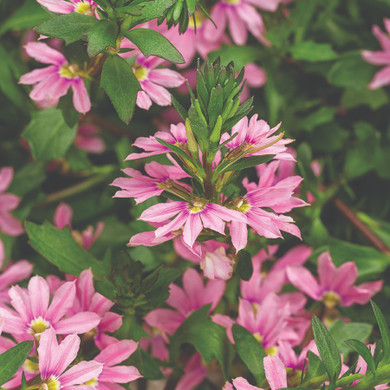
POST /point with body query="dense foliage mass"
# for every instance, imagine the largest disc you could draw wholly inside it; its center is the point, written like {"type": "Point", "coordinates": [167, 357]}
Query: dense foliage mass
{"type": "Point", "coordinates": [194, 194]}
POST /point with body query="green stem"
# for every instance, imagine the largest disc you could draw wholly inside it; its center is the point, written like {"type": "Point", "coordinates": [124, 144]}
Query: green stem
{"type": "Point", "coordinates": [77, 188]}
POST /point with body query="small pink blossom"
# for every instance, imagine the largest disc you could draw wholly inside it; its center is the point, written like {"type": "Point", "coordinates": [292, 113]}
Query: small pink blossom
{"type": "Point", "coordinates": [176, 136]}
{"type": "Point", "coordinates": [381, 57]}
{"type": "Point", "coordinates": [241, 16]}
{"type": "Point", "coordinates": [112, 374]}
{"type": "Point", "coordinates": [63, 217]}
{"type": "Point", "coordinates": [194, 374]}
{"type": "Point", "coordinates": [32, 311]}
{"type": "Point", "coordinates": [335, 286]}
{"type": "Point", "coordinates": [143, 187]}
{"type": "Point", "coordinates": [184, 301]}
{"type": "Point", "coordinates": [192, 217]}
{"type": "Point", "coordinates": [153, 81]}
{"type": "Point", "coordinates": [86, 7]}
{"type": "Point", "coordinates": [8, 202]}
{"type": "Point", "coordinates": [54, 81]}
{"type": "Point", "coordinates": [87, 138]}
{"type": "Point", "coordinates": [55, 358]}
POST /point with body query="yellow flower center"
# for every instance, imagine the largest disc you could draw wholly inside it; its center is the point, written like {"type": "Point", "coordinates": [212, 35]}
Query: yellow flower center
{"type": "Point", "coordinates": [50, 384]}
{"type": "Point", "coordinates": [330, 299]}
{"type": "Point", "coordinates": [242, 205]}
{"type": "Point", "coordinates": [69, 71]}
{"type": "Point", "coordinates": [31, 367]}
{"type": "Point", "coordinates": [270, 350]}
{"type": "Point", "coordinates": [199, 19]}
{"type": "Point", "coordinates": [140, 72]}
{"type": "Point", "coordinates": [197, 207]}
{"type": "Point", "coordinates": [84, 8]}
{"type": "Point", "coordinates": [233, 2]}
{"type": "Point", "coordinates": [38, 325]}
{"type": "Point", "coordinates": [93, 382]}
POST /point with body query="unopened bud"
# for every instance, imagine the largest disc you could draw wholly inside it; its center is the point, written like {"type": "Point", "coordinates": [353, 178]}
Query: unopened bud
{"type": "Point", "coordinates": [216, 133]}
{"type": "Point", "coordinates": [191, 141]}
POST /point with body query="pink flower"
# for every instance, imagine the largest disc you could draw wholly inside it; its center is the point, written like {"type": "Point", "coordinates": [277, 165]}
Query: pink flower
{"type": "Point", "coordinates": [143, 187]}
{"type": "Point", "coordinates": [8, 202]}
{"type": "Point", "coordinates": [88, 300]}
{"type": "Point", "coordinates": [63, 217]}
{"type": "Point", "coordinates": [255, 138]}
{"type": "Point", "coordinates": [66, 7]}
{"type": "Point", "coordinates": [54, 359]}
{"type": "Point", "coordinates": [192, 217]}
{"type": "Point", "coordinates": [54, 81]}
{"type": "Point", "coordinates": [381, 57]}
{"type": "Point", "coordinates": [275, 373]}
{"type": "Point", "coordinates": [241, 17]}
{"type": "Point", "coordinates": [335, 285]}
{"type": "Point", "coordinates": [112, 374]}
{"type": "Point", "coordinates": [279, 198]}
{"type": "Point", "coordinates": [194, 374]}
{"type": "Point", "coordinates": [184, 301]}
{"type": "Point", "coordinates": [32, 314]}
{"type": "Point", "coordinates": [87, 139]}
{"type": "Point", "coordinates": [152, 147]}
{"type": "Point", "coordinates": [153, 81]}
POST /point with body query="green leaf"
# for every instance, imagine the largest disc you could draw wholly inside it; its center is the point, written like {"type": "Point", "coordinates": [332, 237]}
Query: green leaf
{"type": "Point", "coordinates": [174, 149]}
{"type": "Point", "coordinates": [351, 71]}
{"type": "Point", "coordinates": [60, 248]}
{"type": "Point", "coordinates": [215, 105]}
{"type": "Point", "coordinates": [70, 27]}
{"type": "Point", "coordinates": [152, 10]}
{"type": "Point", "coordinates": [101, 35]}
{"type": "Point", "coordinates": [384, 329]}
{"type": "Point", "coordinates": [28, 178]}
{"type": "Point", "coordinates": [315, 367]}
{"type": "Point", "coordinates": [12, 359]}
{"type": "Point", "coordinates": [199, 127]}
{"type": "Point", "coordinates": [250, 352]}
{"type": "Point", "coordinates": [364, 352]}
{"type": "Point", "coordinates": [248, 162]}
{"type": "Point", "coordinates": [208, 338]}
{"type": "Point", "coordinates": [121, 85]}
{"type": "Point", "coordinates": [27, 16]}
{"type": "Point", "coordinates": [240, 55]}
{"type": "Point", "coordinates": [48, 135]}
{"type": "Point", "coordinates": [179, 108]}
{"type": "Point", "coordinates": [244, 265]}
{"type": "Point", "coordinates": [342, 331]}
{"type": "Point", "coordinates": [312, 52]}
{"type": "Point", "coordinates": [373, 98]}
{"type": "Point", "coordinates": [317, 118]}
{"type": "Point", "coordinates": [152, 43]}
{"type": "Point", "coordinates": [327, 348]}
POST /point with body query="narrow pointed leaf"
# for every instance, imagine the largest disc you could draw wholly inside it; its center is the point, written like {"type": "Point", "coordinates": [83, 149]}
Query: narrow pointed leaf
{"type": "Point", "coordinates": [364, 352]}
{"type": "Point", "coordinates": [384, 329]}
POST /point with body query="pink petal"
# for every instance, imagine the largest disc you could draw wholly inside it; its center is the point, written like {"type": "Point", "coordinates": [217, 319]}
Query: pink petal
{"type": "Point", "coordinates": [162, 211]}
{"type": "Point", "coordinates": [79, 323]}
{"type": "Point", "coordinates": [157, 93]}
{"type": "Point", "coordinates": [242, 384]}
{"type": "Point", "coordinates": [239, 235]}
{"type": "Point", "coordinates": [117, 352]}
{"type": "Point", "coordinates": [237, 26]}
{"type": "Point", "coordinates": [166, 77]}
{"type": "Point", "coordinates": [38, 74]}
{"type": "Point", "coordinates": [376, 57]}
{"type": "Point", "coordinates": [62, 301]}
{"type": "Point", "coordinates": [303, 280]}
{"type": "Point", "coordinates": [81, 373]}
{"type": "Point", "coordinates": [143, 100]}
{"type": "Point", "coordinates": [381, 78]}
{"type": "Point", "coordinates": [10, 225]}
{"type": "Point", "coordinates": [119, 374]}
{"type": "Point", "coordinates": [8, 202]}
{"type": "Point", "coordinates": [192, 229]}
{"type": "Point", "coordinates": [47, 352]}
{"type": "Point", "coordinates": [2, 255]}
{"type": "Point", "coordinates": [39, 293]}
{"type": "Point", "coordinates": [275, 372]}
{"type": "Point", "coordinates": [81, 100]}
{"type": "Point", "coordinates": [164, 319]}
{"type": "Point", "coordinates": [66, 352]}
{"type": "Point", "coordinates": [45, 54]}
{"type": "Point", "coordinates": [6, 175]}
{"type": "Point", "coordinates": [57, 6]}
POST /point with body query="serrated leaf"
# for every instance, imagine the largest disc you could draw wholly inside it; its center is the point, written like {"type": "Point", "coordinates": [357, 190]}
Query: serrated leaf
{"type": "Point", "coordinates": [327, 348]}
{"type": "Point", "coordinates": [101, 35]}
{"type": "Point", "coordinates": [48, 135]}
{"type": "Point", "coordinates": [70, 27]}
{"type": "Point", "coordinates": [12, 359]}
{"type": "Point", "coordinates": [152, 10]}
{"type": "Point", "coordinates": [121, 86]}
{"type": "Point", "coordinates": [250, 352]}
{"type": "Point", "coordinates": [383, 328]}
{"type": "Point", "coordinates": [363, 351]}
{"type": "Point", "coordinates": [152, 43]}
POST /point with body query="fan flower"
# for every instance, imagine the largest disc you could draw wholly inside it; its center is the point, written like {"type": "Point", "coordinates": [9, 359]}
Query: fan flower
{"type": "Point", "coordinates": [54, 359]}
{"type": "Point", "coordinates": [335, 285]}
{"type": "Point", "coordinates": [153, 81]}
{"type": "Point", "coordinates": [8, 202]}
{"type": "Point", "coordinates": [141, 187]}
{"type": "Point", "coordinates": [255, 138]}
{"type": "Point", "coordinates": [112, 374]}
{"type": "Point", "coordinates": [184, 301]}
{"type": "Point", "coordinates": [177, 136]}
{"type": "Point", "coordinates": [54, 81]}
{"type": "Point", "coordinates": [192, 217]}
{"type": "Point", "coordinates": [33, 314]}
{"type": "Point", "coordinates": [241, 17]}
{"type": "Point", "coordinates": [380, 57]}
{"type": "Point", "coordinates": [86, 7]}
{"type": "Point", "coordinates": [63, 217]}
